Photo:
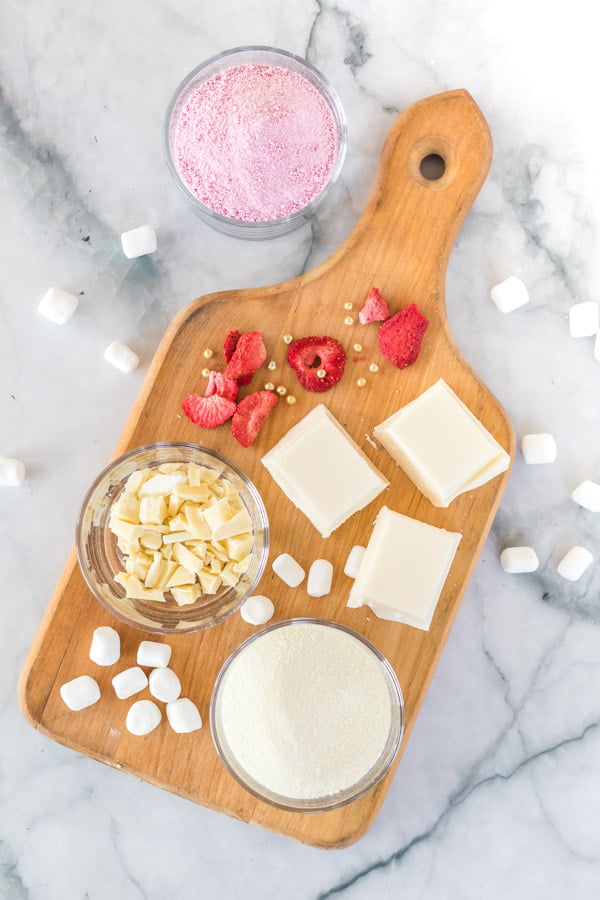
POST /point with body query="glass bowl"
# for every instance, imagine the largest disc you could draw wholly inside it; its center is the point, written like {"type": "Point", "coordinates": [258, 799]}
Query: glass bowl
{"type": "Point", "coordinates": [255, 56]}
{"type": "Point", "coordinates": [321, 736]}
{"type": "Point", "coordinates": [100, 558]}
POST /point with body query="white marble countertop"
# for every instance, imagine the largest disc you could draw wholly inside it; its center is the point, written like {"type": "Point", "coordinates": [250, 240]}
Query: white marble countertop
{"type": "Point", "coordinates": [498, 792]}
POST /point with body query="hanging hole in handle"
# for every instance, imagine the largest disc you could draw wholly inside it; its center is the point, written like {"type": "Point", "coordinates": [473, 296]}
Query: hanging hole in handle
{"type": "Point", "coordinates": [432, 166]}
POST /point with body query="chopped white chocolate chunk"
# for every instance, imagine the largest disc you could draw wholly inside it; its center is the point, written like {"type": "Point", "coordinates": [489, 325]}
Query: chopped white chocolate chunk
{"type": "Point", "coordinates": [79, 693]}
{"type": "Point", "coordinates": [443, 448]}
{"type": "Point", "coordinates": [143, 717]}
{"type": "Point", "coordinates": [516, 560]}
{"type": "Point", "coordinates": [183, 716]}
{"type": "Point", "coordinates": [105, 649]}
{"type": "Point", "coordinates": [323, 471]}
{"type": "Point", "coordinates": [404, 568]}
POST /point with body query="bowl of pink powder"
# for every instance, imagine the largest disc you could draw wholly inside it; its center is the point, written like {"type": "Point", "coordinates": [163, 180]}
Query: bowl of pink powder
{"type": "Point", "coordinates": [255, 138]}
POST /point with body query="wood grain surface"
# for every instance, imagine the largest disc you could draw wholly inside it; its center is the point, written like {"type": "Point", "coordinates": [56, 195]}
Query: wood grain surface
{"type": "Point", "coordinates": [401, 244]}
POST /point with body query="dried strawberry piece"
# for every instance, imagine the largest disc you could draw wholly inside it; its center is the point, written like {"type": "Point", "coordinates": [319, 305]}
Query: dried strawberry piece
{"type": "Point", "coordinates": [219, 383]}
{"type": "Point", "coordinates": [248, 355]}
{"type": "Point", "coordinates": [229, 345]}
{"type": "Point", "coordinates": [251, 414]}
{"type": "Point", "coordinates": [401, 335]}
{"type": "Point", "coordinates": [375, 308]}
{"type": "Point", "coordinates": [309, 355]}
{"type": "Point", "coordinates": [208, 412]}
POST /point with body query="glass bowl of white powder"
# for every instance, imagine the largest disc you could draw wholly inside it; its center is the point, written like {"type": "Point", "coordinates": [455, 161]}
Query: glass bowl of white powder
{"type": "Point", "coordinates": [255, 138]}
{"type": "Point", "coordinates": [307, 715]}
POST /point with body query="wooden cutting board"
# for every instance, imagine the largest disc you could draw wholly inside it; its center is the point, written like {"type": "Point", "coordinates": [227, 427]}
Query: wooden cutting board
{"type": "Point", "coordinates": [401, 245]}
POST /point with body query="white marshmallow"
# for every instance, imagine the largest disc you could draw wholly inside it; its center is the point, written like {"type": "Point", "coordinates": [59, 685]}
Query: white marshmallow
{"type": "Point", "coordinates": [183, 716]}
{"type": "Point", "coordinates": [80, 692]}
{"type": "Point", "coordinates": [121, 356]}
{"type": "Point", "coordinates": [153, 655]}
{"type": "Point", "coordinates": [584, 319]}
{"type": "Point", "coordinates": [290, 572]}
{"type": "Point", "coordinates": [587, 494]}
{"type": "Point", "coordinates": [509, 294]}
{"type": "Point", "coordinates": [164, 684]}
{"type": "Point", "coordinates": [129, 682]}
{"type": "Point", "coordinates": [12, 472]}
{"type": "Point", "coordinates": [257, 610]}
{"type": "Point", "coordinates": [574, 563]}
{"type": "Point", "coordinates": [354, 560]}
{"type": "Point", "coordinates": [597, 346]}
{"type": "Point", "coordinates": [58, 305]}
{"type": "Point", "coordinates": [139, 241]}
{"type": "Point", "coordinates": [538, 448]}
{"type": "Point", "coordinates": [106, 646]}
{"type": "Point", "coordinates": [320, 576]}
{"type": "Point", "coordinates": [515, 560]}
{"type": "Point", "coordinates": [143, 717]}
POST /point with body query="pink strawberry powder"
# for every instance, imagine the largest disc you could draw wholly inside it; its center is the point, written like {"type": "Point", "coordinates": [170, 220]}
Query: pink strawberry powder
{"type": "Point", "coordinates": [255, 143]}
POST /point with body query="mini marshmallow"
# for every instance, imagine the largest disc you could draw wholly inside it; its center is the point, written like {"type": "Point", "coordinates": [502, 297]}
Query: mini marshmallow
{"type": "Point", "coordinates": [164, 684]}
{"type": "Point", "coordinates": [183, 716]}
{"type": "Point", "coordinates": [587, 494]}
{"type": "Point", "coordinates": [129, 682]}
{"type": "Point", "coordinates": [509, 294]}
{"type": "Point", "coordinates": [106, 646]}
{"type": "Point", "coordinates": [597, 347]}
{"type": "Point", "coordinates": [80, 692]}
{"type": "Point", "coordinates": [139, 241]}
{"type": "Point", "coordinates": [143, 717]}
{"type": "Point", "coordinates": [257, 610]}
{"type": "Point", "coordinates": [58, 305]}
{"type": "Point", "coordinates": [354, 560]}
{"type": "Point", "coordinates": [153, 655]}
{"type": "Point", "coordinates": [516, 560]}
{"type": "Point", "coordinates": [12, 472]}
{"type": "Point", "coordinates": [320, 576]}
{"type": "Point", "coordinates": [584, 319]}
{"type": "Point", "coordinates": [121, 356]}
{"type": "Point", "coordinates": [538, 448]}
{"type": "Point", "coordinates": [286, 567]}
{"type": "Point", "coordinates": [574, 563]}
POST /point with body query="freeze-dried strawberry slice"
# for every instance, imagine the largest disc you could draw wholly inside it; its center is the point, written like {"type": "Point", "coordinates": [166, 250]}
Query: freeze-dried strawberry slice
{"type": "Point", "coordinates": [229, 345]}
{"type": "Point", "coordinates": [208, 412]}
{"type": "Point", "coordinates": [401, 335]}
{"type": "Point", "coordinates": [219, 383]}
{"type": "Point", "coordinates": [375, 308]}
{"type": "Point", "coordinates": [310, 355]}
{"type": "Point", "coordinates": [251, 414]}
{"type": "Point", "coordinates": [248, 356]}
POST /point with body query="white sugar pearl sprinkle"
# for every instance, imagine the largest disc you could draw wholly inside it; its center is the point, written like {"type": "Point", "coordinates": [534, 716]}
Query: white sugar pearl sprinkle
{"type": "Point", "coordinates": [574, 563]}
{"type": "Point", "coordinates": [354, 560]}
{"type": "Point", "coordinates": [290, 572]}
{"type": "Point", "coordinates": [138, 241]}
{"type": "Point", "coordinates": [153, 655]}
{"type": "Point", "coordinates": [257, 610]}
{"type": "Point", "coordinates": [58, 305]}
{"type": "Point", "coordinates": [129, 682]}
{"type": "Point", "coordinates": [121, 356]}
{"type": "Point", "coordinates": [516, 560]}
{"type": "Point", "coordinates": [183, 716]}
{"type": "Point", "coordinates": [143, 717]}
{"type": "Point", "coordinates": [538, 448]}
{"type": "Point", "coordinates": [106, 646]}
{"type": "Point", "coordinates": [584, 319]}
{"type": "Point", "coordinates": [587, 494]}
{"type": "Point", "coordinates": [164, 684]}
{"type": "Point", "coordinates": [510, 294]}
{"type": "Point", "coordinates": [80, 692]}
{"type": "Point", "coordinates": [320, 576]}
{"type": "Point", "coordinates": [12, 472]}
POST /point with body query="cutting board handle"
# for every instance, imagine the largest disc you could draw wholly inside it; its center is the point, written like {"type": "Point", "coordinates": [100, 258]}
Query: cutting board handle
{"type": "Point", "coordinates": [417, 218]}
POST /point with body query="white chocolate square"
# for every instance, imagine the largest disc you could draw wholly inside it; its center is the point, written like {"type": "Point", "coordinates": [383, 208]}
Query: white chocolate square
{"type": "Point", "coordinates": [441, 445]}
{"type": "Point", "coordinates": [323, 471]}
{"type": "Point", "coordinates": [404, 568]}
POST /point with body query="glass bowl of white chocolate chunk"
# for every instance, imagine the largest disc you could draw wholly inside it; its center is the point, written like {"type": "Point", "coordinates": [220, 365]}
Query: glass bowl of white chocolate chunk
{"type": "Point", "coordinates": [172, 538]}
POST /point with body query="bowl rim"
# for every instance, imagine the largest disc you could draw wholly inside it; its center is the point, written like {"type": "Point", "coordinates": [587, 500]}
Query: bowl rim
{"type": "Point", "coordinates": [284, 224]}
{"type": "Point", "coordinates": [169, 445]}
{"type": "Point", "coordinates": [331, 801]}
